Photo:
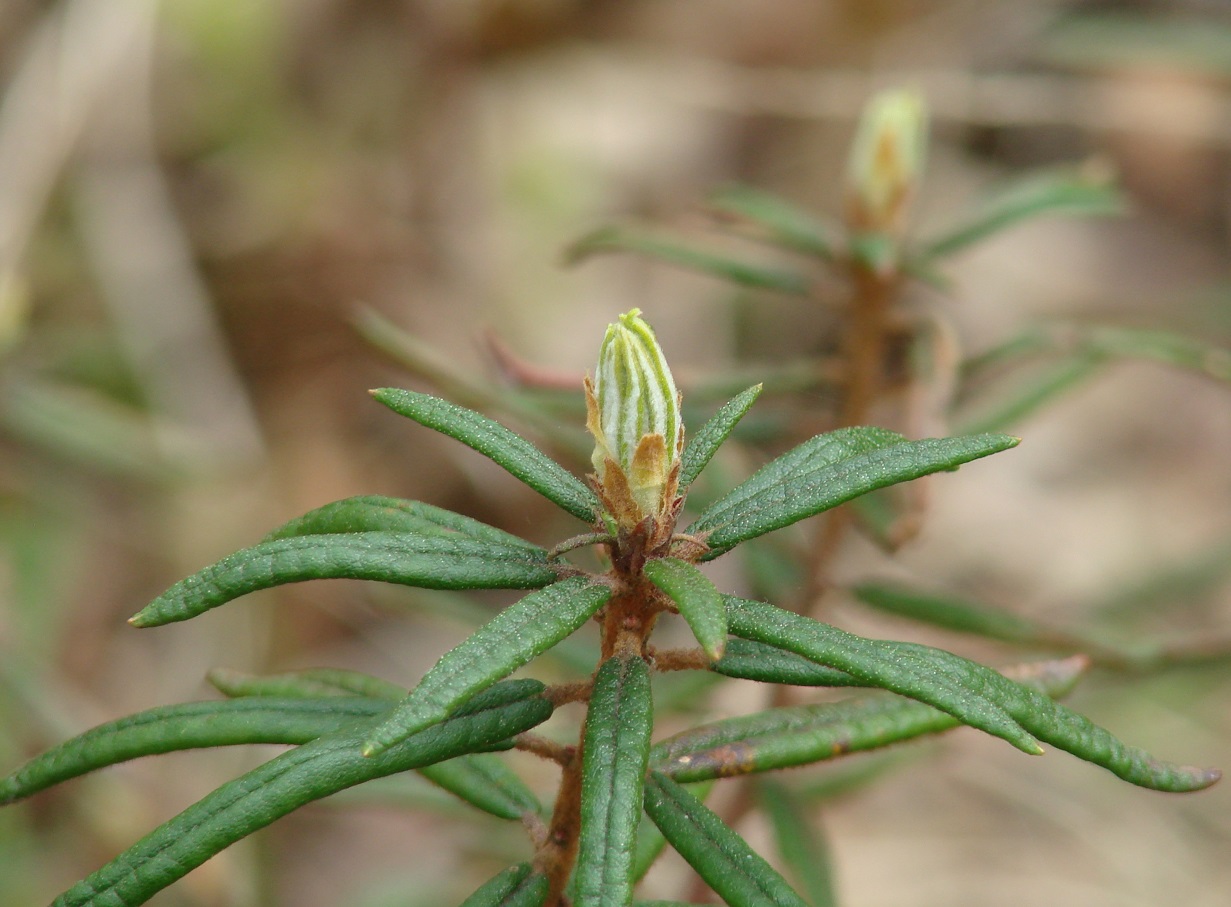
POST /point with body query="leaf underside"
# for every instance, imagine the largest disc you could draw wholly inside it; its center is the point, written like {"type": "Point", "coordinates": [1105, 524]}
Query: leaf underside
{"type": "Point", "coordinates": [800, 735]}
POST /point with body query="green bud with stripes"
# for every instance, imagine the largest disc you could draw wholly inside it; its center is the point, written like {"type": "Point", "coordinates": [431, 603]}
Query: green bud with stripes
{"type": "Point", "coordinates": [634, 415]}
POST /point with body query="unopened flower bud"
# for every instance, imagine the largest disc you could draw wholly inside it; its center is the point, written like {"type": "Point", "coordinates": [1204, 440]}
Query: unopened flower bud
{"type": "Point", "coordinates": [634, 415]}
{"type": "Point", "coordinates": [886, 162]}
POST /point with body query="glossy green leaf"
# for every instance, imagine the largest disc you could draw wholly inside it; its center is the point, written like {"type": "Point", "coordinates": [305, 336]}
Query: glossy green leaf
{"type": "Point", "coordinates": [973, 694]}
{"type": "Point", "coordinates": [1068, 191]}
{"type": "Point", "coordinates": [616, 747]}
{"type": "Point", "coordinates": [501, 646]}
{"type": "Point", "coordinates": [703, 444]}
{"type": "Point", "coordinates": [514, 453]}
{"type": "Point", "coordinates": [720, 856]}
{"type": "Point", "coordinates": [829, 470]}
{"type": "Point", "coordinates": [484, 781]}
{"type": "Point", "coordinates": [377, 513]}
{"type": "Point", "coordinates": [800, 735]}
{"type": "Point", "coordinates": [517, 886]}
{"type": "Point", "coordinates": [391, 557]}
{"type": "Point", "coordinates": [699, 602]}
{"type": "Point", "coordinates": [802, 848]}
{"type": "Point", "coordinates": [189, 725]}
{"type": "Point", "coordinates": [747, 659]}
{"type": "Point", "coordinates": [686, 255]}
{"type": "Point", "coordinates": [324, 766]}
{"type": "Point", "coordinates": [785, 224]}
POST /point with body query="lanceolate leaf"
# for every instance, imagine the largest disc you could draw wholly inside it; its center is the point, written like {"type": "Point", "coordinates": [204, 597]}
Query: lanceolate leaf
{"type": "Point", "coordinates": [1068, 191]}
{"type": "Point", "coordinates": [484, 781]}
{"type": "Point", "coordinates": [702, 445]}
{"type": "Point", "coordinates": [501, 646]}
{"type": "Point", "coordinates": [800, 735]}
{"type": "Point", "coordinates": [189, 725]}
{"type": "Point", "coordinates": [650, 840]}
{"type": "Point", "coordinates": [686, 255]}
{"type": "Point", "coordinates": [479, 779]}
{"type": "Point", "coordinates": [312, 683]}
{"type": "Point", "coordinates": [975, 695]}
{"type": "Point", "coordinates": [376, 513]}
{"type": "Point", "coordinates": [616, 746]}
{"type": "Point", "coordinates": [506, 448]}
{"type": "Point", "coordinates": [699, 602]}
{"type": "Point", "coordinates": [953, 613]}
{"type": "Point", "coordinates": [749, 660]}
{"type": "Point", "coordinates": [829, 470]}
{"type": "Point", "coordinates": [720, 856]}
{"type": "Point", "coordinates": [802, 849]}
{"type": "Point", "coordinates": [317, 769]}
{"type": "Point", "coordinates": [517, 886]}
{"type": "Point", "coordinates": [391, 557]}
{"type": "Point", "coordinates": [784, 224]}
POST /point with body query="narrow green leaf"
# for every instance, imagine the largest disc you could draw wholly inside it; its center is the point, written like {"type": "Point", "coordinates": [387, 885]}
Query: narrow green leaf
{"type": "Point", "coordinates": [391, 557]}
{"type": "Point", "coordinates": [829, 470]}
{"type": "Point", "coordinates": [377, 513]}
{"type": "Point", "coordinates": [953, 613]}
{"type": "Point", "coordinates": [1042, 387]}
{"type": "Point", "coordinates": [501, 646]}
{"type": "Point", "coordinates": [650, 840]}
{"type": "Point", "coordinates": [721, 857]}
{"type": "Point", "coordinates": [685, 255]}
{"type": "Point", "coordinates": [800, 735]}
{"type": "Point", "coordinates": [514, 453]}
{"type": "Point", "coordinates": [189, 725]}
{"type": "Point", "coordinates": [699, 602]}
{"type": "Point", "coordinates": [704, 444]}
{"type": "Point", "coordinates": [517, 886]}
{"type": "Point", "coordinates": [973, 694]}
{"type": "Point", "coordinates": [484, 781]}
{"type": "Point", "coordinates": [616, 747]}
{"type": "Point", "coordinates": [785, 224]}
{"type": "Point", "coordinates": [1069, 191]}
{"type": "Point", "coordinates": [803, 850]}
{"type": "Point", "coordinates": [324, 766]}
{"type": "Point", "coordinates": [311, 683]}
{"type": "Point", "coordinates": [747, 659]}
{"type": "Point", "coordinates": [356, 683]}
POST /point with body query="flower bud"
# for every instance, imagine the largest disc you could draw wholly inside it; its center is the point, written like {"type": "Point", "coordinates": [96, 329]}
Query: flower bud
{"type": "Point", "coordinates": [885, 162]}
{"type": "Point", "coordinates": [634, 415]}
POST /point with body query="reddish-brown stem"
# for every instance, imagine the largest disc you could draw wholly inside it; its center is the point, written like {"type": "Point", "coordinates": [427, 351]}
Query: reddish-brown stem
{"type": "Point", "coordinates": [679, 659]}
{"type": "Point", "coordinates": [560, 753]}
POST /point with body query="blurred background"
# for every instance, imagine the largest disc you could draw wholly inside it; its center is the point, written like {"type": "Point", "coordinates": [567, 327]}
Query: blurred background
{"type": "Point", "coordinates": [221, 223]}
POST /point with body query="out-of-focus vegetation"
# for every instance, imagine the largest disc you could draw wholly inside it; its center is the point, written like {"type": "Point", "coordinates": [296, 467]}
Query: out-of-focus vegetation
{"type": "Point", "coordinates": [213, 215]}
